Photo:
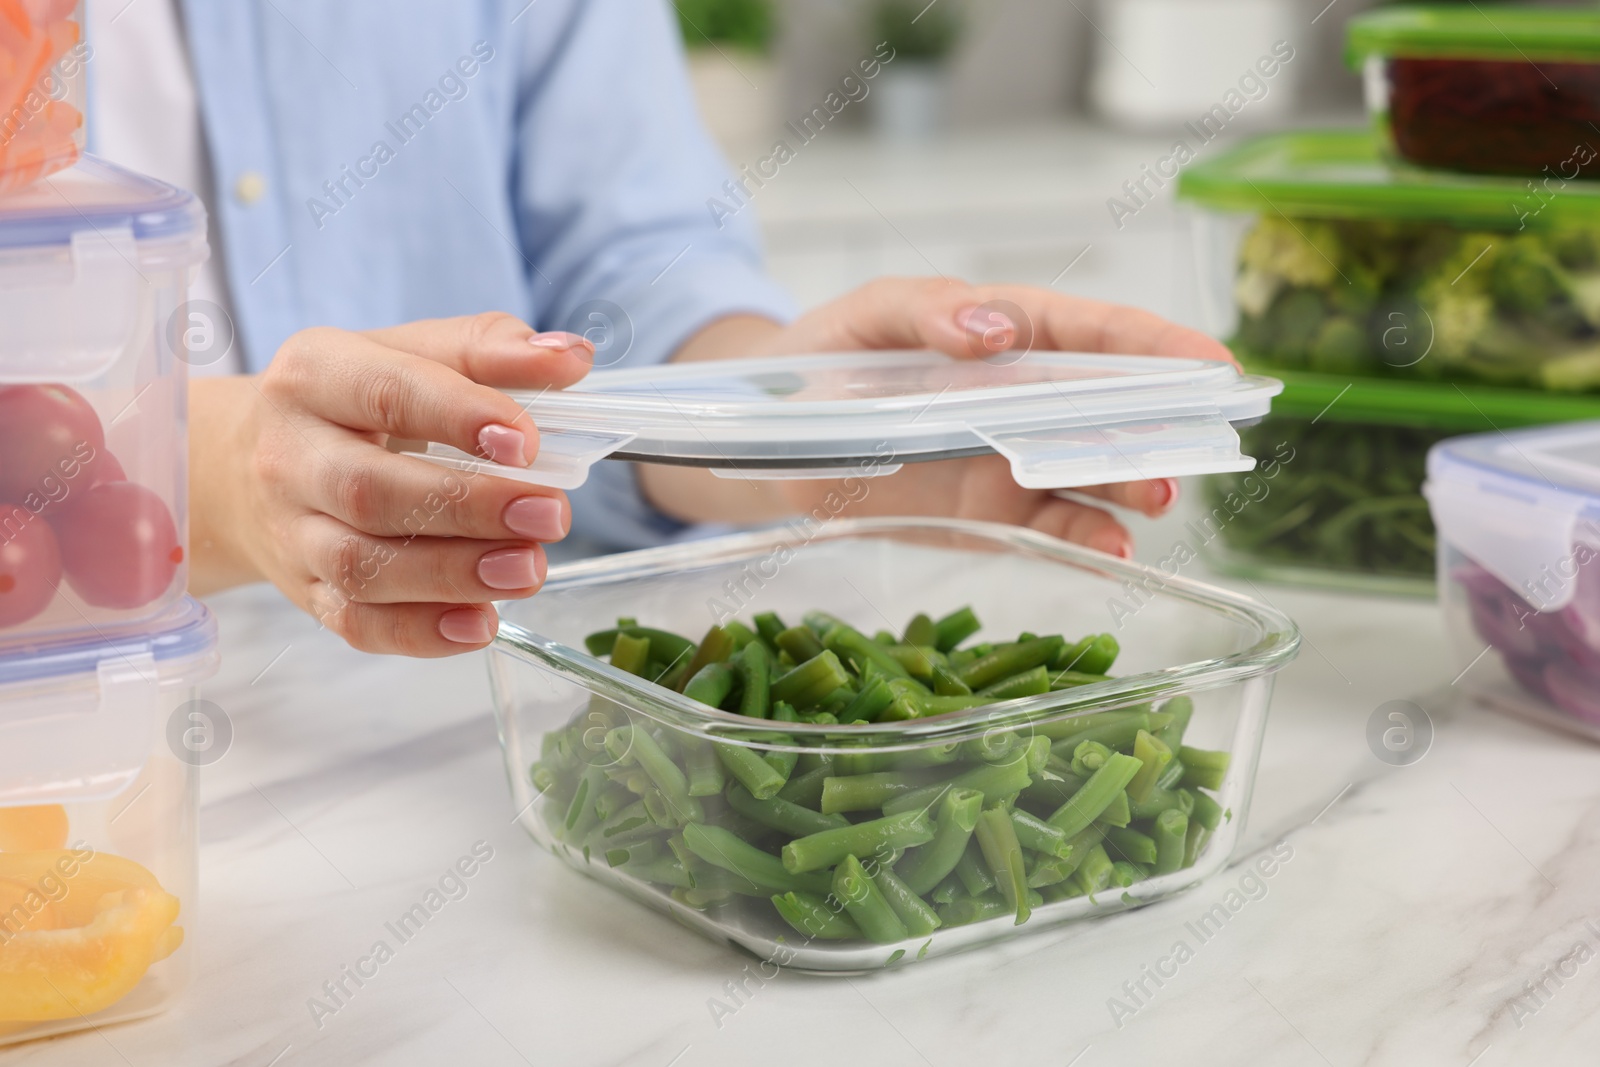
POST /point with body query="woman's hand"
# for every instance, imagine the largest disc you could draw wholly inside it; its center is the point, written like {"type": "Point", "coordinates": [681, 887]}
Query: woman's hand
{"type": "Point", "coordinates": [293, 481]}
{"type": "Point", "coordinates": [960, 320]}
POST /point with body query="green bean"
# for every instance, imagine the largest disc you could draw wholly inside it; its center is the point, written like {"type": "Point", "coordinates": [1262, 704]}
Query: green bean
{"type": "Point", "coordinates": [811, 681]}
{"type": "Point", "coordinates": [1029, 683]}
{"type": "Point", "coordinates": [1202, 768]}
{"type": "Point", "coordinates": [1182, 710]}
{"type": "Point", "coordinates": [1074, 679]}
{"type": "Point", "coordinates": [715, 647]}
{"type": "Point", "coordinates": [1124, 874]}
{"type": "Point", "coordinates": [997, 839]}
{"type": "Point", "coordinates": [1092, 655]}
{"type": "Point", "coordinates": [634, 743]}
{"type": "Point", "coordinates": [806, 789]}
{"type": "Point", "coordinates": [975, 877]}
{"type": "Point", "coordinates": [846, 642]}
{"type": "Point", "coordinates": [663, 870]}
{"type": "Point", "coordinates": [947, 890]}
{"type": "Point", "coordinates": [1155, 755]}
{"type": "Point", "coordinates": [955, 628]}
{"type": "Point", "coordinates": [810, 915]}
{"type": "Point", "coordinates": [543, 777]}
{"type": "Point", "coordinates": [919, 919]}
{"type": "Point", "coordinates": [664, 646]}
{"type": "Point", "coordinates": [918, 662]}
{"type": "Point", "coordinates": [630, 653]}
{"type": "Point", "coordinates": [1194, 840]}
{"type": "Point", "coordinates": [828, 847]}
{"type": "Point", "coordinates": [921, 631]}
{"type": "Point", "coordinates": [632, 823]}
{"type": "Point", "coordinates": [800, 643]}
{"type": "Point", "coordinates": [580, 815]}
{"type": "Point", "coordinates": [1171, 829]}
{"type": "Point", "coordinates": [641, 851]}
{"type": "Point", "coordinates": [1096, 726]}
{"type": "Point", "coordinates": [768, 627]}
{"type": "Point", "coordinates": [993, 745]}
{"type": "Point", "coordinates": [973, 909]}
{"type": "Point", "coordinates": [702, 767]}
{"type": "Point", "coordinates": [864, 792]}
{"type": "Point", "coordinates": [1089, 757]}
{"type": "Point", "coordinates": [753, 869]}
{"type": "Point", "coordinates": [881, 637]}
{"type": "Point", "coordinates": [930, 755]}
{"type": "Point", "coordinates": [753, 772]}
{"type": "Point", "coordinates": [702, 899]}
{"type": "Point", "coordinates": [1040, 836]}
{"type": "Point", "coordinates": [1096, 795]}
{"type": "Point", "coordinates": [742, 635]}
{"type": "Point", "coordinates": [957, 816]}
{"type": "Point", "coordinates": [1207, 812]}
{"type": "Point", "coordinates": [993, 780]}
{"type": "Point", "coordinates": [865, 903]}
{"type": "Point", "coordinates": [1048, 870]}
{"type": "Point", "coordinates": [1008, 660]}
{"type": "Point", "coordinates": [780, 814]}
{"type": "Point", "coordinates": [754, 667]}
{"type": "Point", "coordinates": [1049, 793]}
{"type": "Point", "coordinates": [1130, 845]}
{"type": "Point", "coordinates": [1171, 774]}
{"type": "Point", "coordinates": [947, 684]}
{"type": "Point", "coordinates": [869, 704]}
{"type": "Point", "coordinates": [1118, 813]}
{"type": "Point", "coordinates": [1162, 799]}
{"type": "Point", "coordinates": [783, 762]}
{"type": "Point", "coordinates": [612, 799]}
{"type": "Point", "coordinates": [1094, 873]}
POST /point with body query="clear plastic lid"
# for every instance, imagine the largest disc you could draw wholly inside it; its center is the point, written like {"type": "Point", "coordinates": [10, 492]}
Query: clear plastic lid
{"type": "Point", "coordinates": [1516, 503]}
{"type": "Point", "coordinates": [1063, 419]}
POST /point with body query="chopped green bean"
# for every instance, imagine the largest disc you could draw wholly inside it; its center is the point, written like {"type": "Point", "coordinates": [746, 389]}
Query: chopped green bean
{"type": "Point", "coordinates": [1094, 873]}
{"type": "Point", "coordinates": [849, 643]}
{"type": "Point", "coordinates": [702, 767]}
{"type": "Point", "coordinates": [865, 903]}
{"type": "Point", "coordinates": [921, 631]}
{"type": "Point", "coordinates": [630, 653]}
{"type": "Point", "coordinates": [758, 870]}
{"type": "Point", "coordinates": [973, 910]}
{"type": "Point", "coordinates": [1207, 812]}
{"type": "Point", "coordinates": [780, 814]}
{"type": "Point", "coordinates": [1008, 660]}
{"type": "Point", "coordinates": [634, 743]}
{"type": "Point", "coordinates": [753, 772]}
{"type": "Point", "coordinates": [919, 919]}
{"type": "Point", "coordinates": [1194, 841]}
{"type": "Point", "coordinates": [1182, 710]}
{"type": "Point", "coordinates": [953, 825]}
{"type": "Point", "coordinates": [768, 627]}
{"type": "Point", "coordinates": [975, 876]}
{"type": "Point", "coordinates": [955, 628]}
{"type": "Point", "coordinates": [664, 646]}
{"type": "Point", "coordinates": [1118, 813]}
{"type": "Point", "coordinates": [800, 643]}
{"type": "Point", "coordinates": [828, 847]}
{"type": "Point", "coordinates": [997, 840]}
{"type": "Point", "coordinates": [1040, 836]}
{"type": "Point", "coordinates": [1130, 845]}
{"type": "Point", "coordinates": [811, 681]}
{"type": "Point", "coordinates": [1029, 683]}
{"type": "Point", "coordinates": [754, 668]}
{"type": "Point", "coordinates": [1202, 768]}
{"type": "Point", "coordinates": [1089, 757]}
{"type": "Point", "coordinates": [1155, 755]}
{"type": "Point", "coordinates": [810, 915]}
{"type": "Point", "coordinates": [1096, 795]}
{"type": "Point", "coordinates": [1171, 829]}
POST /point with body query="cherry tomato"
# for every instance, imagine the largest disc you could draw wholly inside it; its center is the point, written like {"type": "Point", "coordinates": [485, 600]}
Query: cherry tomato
{"type": "Point", "coordinates": [119, 545]}
{"type": "Point", "coordinates": [46, 432]}
{"type": "Point", "coordinates": [30, 565]}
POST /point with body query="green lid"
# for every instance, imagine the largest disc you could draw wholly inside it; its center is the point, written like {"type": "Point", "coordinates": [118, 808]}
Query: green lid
{"type": "Point", "coordinates": [1343, 174]}
{"type": "Point", "coordinates": [1433, 405]}
{"type": "Point", "coordinates": [1472, 31]}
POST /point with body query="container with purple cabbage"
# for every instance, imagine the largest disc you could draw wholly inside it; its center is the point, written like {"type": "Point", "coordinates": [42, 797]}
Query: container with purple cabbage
{"type": "Point", "coordinates": [1518, 516]}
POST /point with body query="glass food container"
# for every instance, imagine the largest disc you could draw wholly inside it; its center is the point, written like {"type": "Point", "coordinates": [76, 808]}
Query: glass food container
{"type": "Point", "coordinates": [1315, 255]}
{"type": "Point", "coordinates": [43, 54]}
{"type": "Point", "coordinates": [98, 852]}
{"type": "Point", "coordinates": [606, 768]}
{"type": "Point", "coordinates": [1486, 89]}
{"type": "Point", "coordinates": [1336, 500]}
{"type": "Point", "coordinates": [1519, 532]}
{"type": "Point", "coordinates": [95, 337]}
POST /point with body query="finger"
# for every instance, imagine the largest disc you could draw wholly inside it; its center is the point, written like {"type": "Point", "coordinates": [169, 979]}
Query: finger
{"type": "Point", "coordinates": [357, 567]}
{"type": "Point", "coordinates": [351, 380]}
{"type": "Point", "coordinates": [377, 492]}
{"type": "Point", "coordinates": [426, 631]}
{"type": "Point", "coordinates": [1073, 324]}
{"type": "Point", "coordinates": [494, 349]}
{"type": "Point", "coordinates": [936, 313]}
{"type": "Point", "coordinates": [1082, 525]}
{"type": "Point", "coordinates": [1153, 498]}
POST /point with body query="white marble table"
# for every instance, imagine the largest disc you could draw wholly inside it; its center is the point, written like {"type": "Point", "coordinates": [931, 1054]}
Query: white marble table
{"type": "Point", "coordinates": [1417, 902]}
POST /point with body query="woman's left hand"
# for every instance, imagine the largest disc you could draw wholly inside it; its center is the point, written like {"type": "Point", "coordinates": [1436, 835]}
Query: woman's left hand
{"type": "Point", "coordinates": [961, 320]}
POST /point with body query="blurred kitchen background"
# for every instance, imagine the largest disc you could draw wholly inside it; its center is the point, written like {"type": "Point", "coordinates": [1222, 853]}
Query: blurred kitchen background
{"type": "Point", "coordinates": [990, 146]}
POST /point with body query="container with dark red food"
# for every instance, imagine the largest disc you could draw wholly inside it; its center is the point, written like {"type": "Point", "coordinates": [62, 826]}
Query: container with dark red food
{"type": "Point", "coordinates": [95, 340]}
{"type": "Point", "coordinates": [1518, 516]}
{"type": "Point", "coordinates": [1485, 89]}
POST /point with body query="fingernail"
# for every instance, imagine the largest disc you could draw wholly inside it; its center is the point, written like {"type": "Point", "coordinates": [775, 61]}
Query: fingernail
{"type": "Point", "coordinates": [995, 327]}
{"type": "Point", "coordinates": [559, 340]}
{"type": "Point", "coordinates": [538, 518]}
{"type": "Point", "coordinates": [464, 626]}
{"type": "Point", "coordinates": [503, 445]}
{"type": "Point", "coordinates": [1112, 542]}
{"type": "Point", "coordinates": [1166, 493]}
{"type": "Point", "coordinates": [510, 568]}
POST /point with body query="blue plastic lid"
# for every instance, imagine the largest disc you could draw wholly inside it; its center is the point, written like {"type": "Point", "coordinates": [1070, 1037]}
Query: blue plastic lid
{"type": "Point", "coordinates": [98, 197]}
{"type": "Point", "coordinates": [1516, 503]}
{"type": "Point", "coordinates": [184, 636]}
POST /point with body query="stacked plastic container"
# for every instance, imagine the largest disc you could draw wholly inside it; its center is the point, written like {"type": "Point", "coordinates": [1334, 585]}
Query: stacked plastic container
{"type": "Point", "coordinates": [1402, 302]}
{"type": "Point", "coordinates": [100, 651]}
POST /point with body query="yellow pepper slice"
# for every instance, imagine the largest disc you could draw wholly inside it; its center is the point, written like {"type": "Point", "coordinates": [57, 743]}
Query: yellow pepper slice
{"type": "Point", "coordinates": [78, 930]}
{"type": "Point", "coordinates": [32, 828]}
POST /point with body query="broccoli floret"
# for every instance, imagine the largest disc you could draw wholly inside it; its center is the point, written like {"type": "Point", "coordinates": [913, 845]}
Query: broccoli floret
{"type": "Point", "coordinates": [1304, 252]}
{"type": "Point", "coordinates": [1340, 347]}
{"type": "Point", "coordinates": [1455, 294]}
{"type": "Point", "coordinates": [1293, 323]}
{"type": "Point", "coordinates": [1526, 278]}
{"type": "Point", "coordinates": [1575, 249]}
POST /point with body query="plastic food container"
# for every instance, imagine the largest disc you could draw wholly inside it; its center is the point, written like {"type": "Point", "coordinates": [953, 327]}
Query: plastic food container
{"type": "Point", "coordinates": [1062, 419]}
{"type": "Point", "coordinates": [98, 852]}
{"type": "Point", "coordinates": [557, 706]}
{"type": "Point", "coordinates": [94, 268]}
{"type": "Point", "coordinates": [1315, 255]}
{"type": "Point", "coordinates": [1493, 90]}
{"type": "Point", "coordinates": [1519, 532]}
{"type": "Point", "coordinates": [1336, 499]}
{"type": "Point", "coordinates": [42, 58]}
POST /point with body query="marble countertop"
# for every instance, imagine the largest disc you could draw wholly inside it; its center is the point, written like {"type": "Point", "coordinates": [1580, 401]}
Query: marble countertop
{"type": "Point", "coordinates": [1413, 908]}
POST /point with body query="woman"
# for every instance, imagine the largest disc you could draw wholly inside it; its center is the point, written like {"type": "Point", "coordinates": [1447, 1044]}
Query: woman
{"type": "Point", "coordinates": [465, 169]}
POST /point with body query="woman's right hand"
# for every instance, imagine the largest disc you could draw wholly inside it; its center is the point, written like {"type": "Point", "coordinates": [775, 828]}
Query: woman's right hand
{"type": "Point", "coordinates": [292, 480]}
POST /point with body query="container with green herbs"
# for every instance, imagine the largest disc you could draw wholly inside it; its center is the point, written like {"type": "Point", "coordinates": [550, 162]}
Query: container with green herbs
{"type": "Point", "coordinates": [860, 744]}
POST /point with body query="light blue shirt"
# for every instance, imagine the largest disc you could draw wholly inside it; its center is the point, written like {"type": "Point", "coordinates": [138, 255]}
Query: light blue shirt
{"type": "Point", "coordinates": [434, 159]}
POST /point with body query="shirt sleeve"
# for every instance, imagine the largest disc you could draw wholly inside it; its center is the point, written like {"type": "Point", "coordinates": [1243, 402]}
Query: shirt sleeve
{"type": "Point", "coordinates": [618, 186]}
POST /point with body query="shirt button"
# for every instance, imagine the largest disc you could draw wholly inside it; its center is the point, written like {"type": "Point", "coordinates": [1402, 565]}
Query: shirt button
{"type": "Point", "coordinates": [249, 187]}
